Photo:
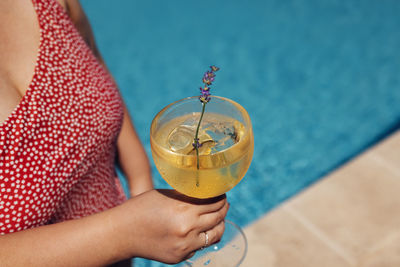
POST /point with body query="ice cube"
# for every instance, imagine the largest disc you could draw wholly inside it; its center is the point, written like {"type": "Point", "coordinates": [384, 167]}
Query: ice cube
{"type": "Point", "coordinates": [224, 134]}
{"type": "Point", "coordinates": [181, 138]}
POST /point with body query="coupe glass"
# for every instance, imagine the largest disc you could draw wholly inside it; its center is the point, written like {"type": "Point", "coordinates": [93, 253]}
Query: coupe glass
{"type": "Point", "coordinates": [225, 155]}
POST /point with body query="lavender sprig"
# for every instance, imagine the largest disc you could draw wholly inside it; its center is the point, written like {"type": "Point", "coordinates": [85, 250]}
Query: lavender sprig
{"type": "Point", "coordinates": [204, 98]}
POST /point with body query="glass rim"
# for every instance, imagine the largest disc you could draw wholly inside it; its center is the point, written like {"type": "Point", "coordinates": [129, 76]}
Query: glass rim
{"type": "Point", "coordinates": [244, 113]}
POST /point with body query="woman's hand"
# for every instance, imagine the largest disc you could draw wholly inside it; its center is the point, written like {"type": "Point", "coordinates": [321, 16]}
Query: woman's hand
{"type": "Point", "coordinates": [166, 226]}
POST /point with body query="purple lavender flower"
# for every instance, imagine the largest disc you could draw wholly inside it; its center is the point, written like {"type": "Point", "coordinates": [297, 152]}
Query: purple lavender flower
{"type": "Point", "coordinates": [214, 68]}
{"type": "Point", "coordinates": [208, 79]}
{"type": "Point", "coordinates": [196, 143]}
{"type": "Point", "coordinates": [205, 94]}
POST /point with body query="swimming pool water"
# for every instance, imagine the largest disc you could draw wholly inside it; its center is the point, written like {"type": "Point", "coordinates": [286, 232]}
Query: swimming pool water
{"type": "Point", "coordinates": [320, 79]}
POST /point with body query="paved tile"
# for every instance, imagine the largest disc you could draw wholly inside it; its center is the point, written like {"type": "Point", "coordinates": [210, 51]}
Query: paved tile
{"type": "Point", "coordinates": [356, 206]}
{"type": "Point", "coordinates": [386, 254]}
{"type": "Point", "coordinates": [389, 151]}
{"type": "Point", "coordinates": [280, 240]}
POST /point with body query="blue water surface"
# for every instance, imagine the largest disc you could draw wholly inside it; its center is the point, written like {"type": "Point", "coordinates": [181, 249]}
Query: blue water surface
{"type": "Point", "coordinates": [319, 78]}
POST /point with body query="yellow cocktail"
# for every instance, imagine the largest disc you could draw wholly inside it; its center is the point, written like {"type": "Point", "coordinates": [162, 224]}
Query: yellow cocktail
{"type": "Point", "coordinates": [224, 157]}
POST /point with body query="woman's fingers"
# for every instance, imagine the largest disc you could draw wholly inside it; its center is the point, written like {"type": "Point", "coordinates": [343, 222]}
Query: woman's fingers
{"type": "Point", "coordinates": [202, 205]}
{"type": "Point", "coordinates": [212, 205]}
{"type": "Point", "coordinates": [210, 220]}
{"type": "Point", "coordinates": [212, 236]}
{"type": "Point", "coordinates": [210, 227]}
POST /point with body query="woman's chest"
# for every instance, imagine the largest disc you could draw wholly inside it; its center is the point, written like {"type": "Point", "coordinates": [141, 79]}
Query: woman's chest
{"type": "Point", "coordinates": [65, 124]}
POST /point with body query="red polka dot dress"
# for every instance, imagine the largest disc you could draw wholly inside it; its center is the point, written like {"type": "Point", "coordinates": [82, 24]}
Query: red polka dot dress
{"type": "Point", "coordinates": [57, 148]}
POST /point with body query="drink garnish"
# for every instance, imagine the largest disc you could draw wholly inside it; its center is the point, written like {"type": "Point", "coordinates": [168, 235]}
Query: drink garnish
{"type": "Point", "coordinates": [208, 79]}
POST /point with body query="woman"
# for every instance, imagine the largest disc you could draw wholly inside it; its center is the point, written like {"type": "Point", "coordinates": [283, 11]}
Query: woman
{"type": "Point", "coordinates": [62, 125]}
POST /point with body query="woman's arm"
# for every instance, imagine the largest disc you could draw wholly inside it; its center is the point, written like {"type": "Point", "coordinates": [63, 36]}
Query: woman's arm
{"type": "Point", "coordinates": [84, 242]}
{"type": "Point", "coordinates": [159, 225]}
{"type": "Point", "coordinates": [132, 157]}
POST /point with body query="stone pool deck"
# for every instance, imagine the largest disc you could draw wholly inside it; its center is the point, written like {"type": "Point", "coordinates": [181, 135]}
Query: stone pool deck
{"type": "Point", "coordinates": [349, 218]}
